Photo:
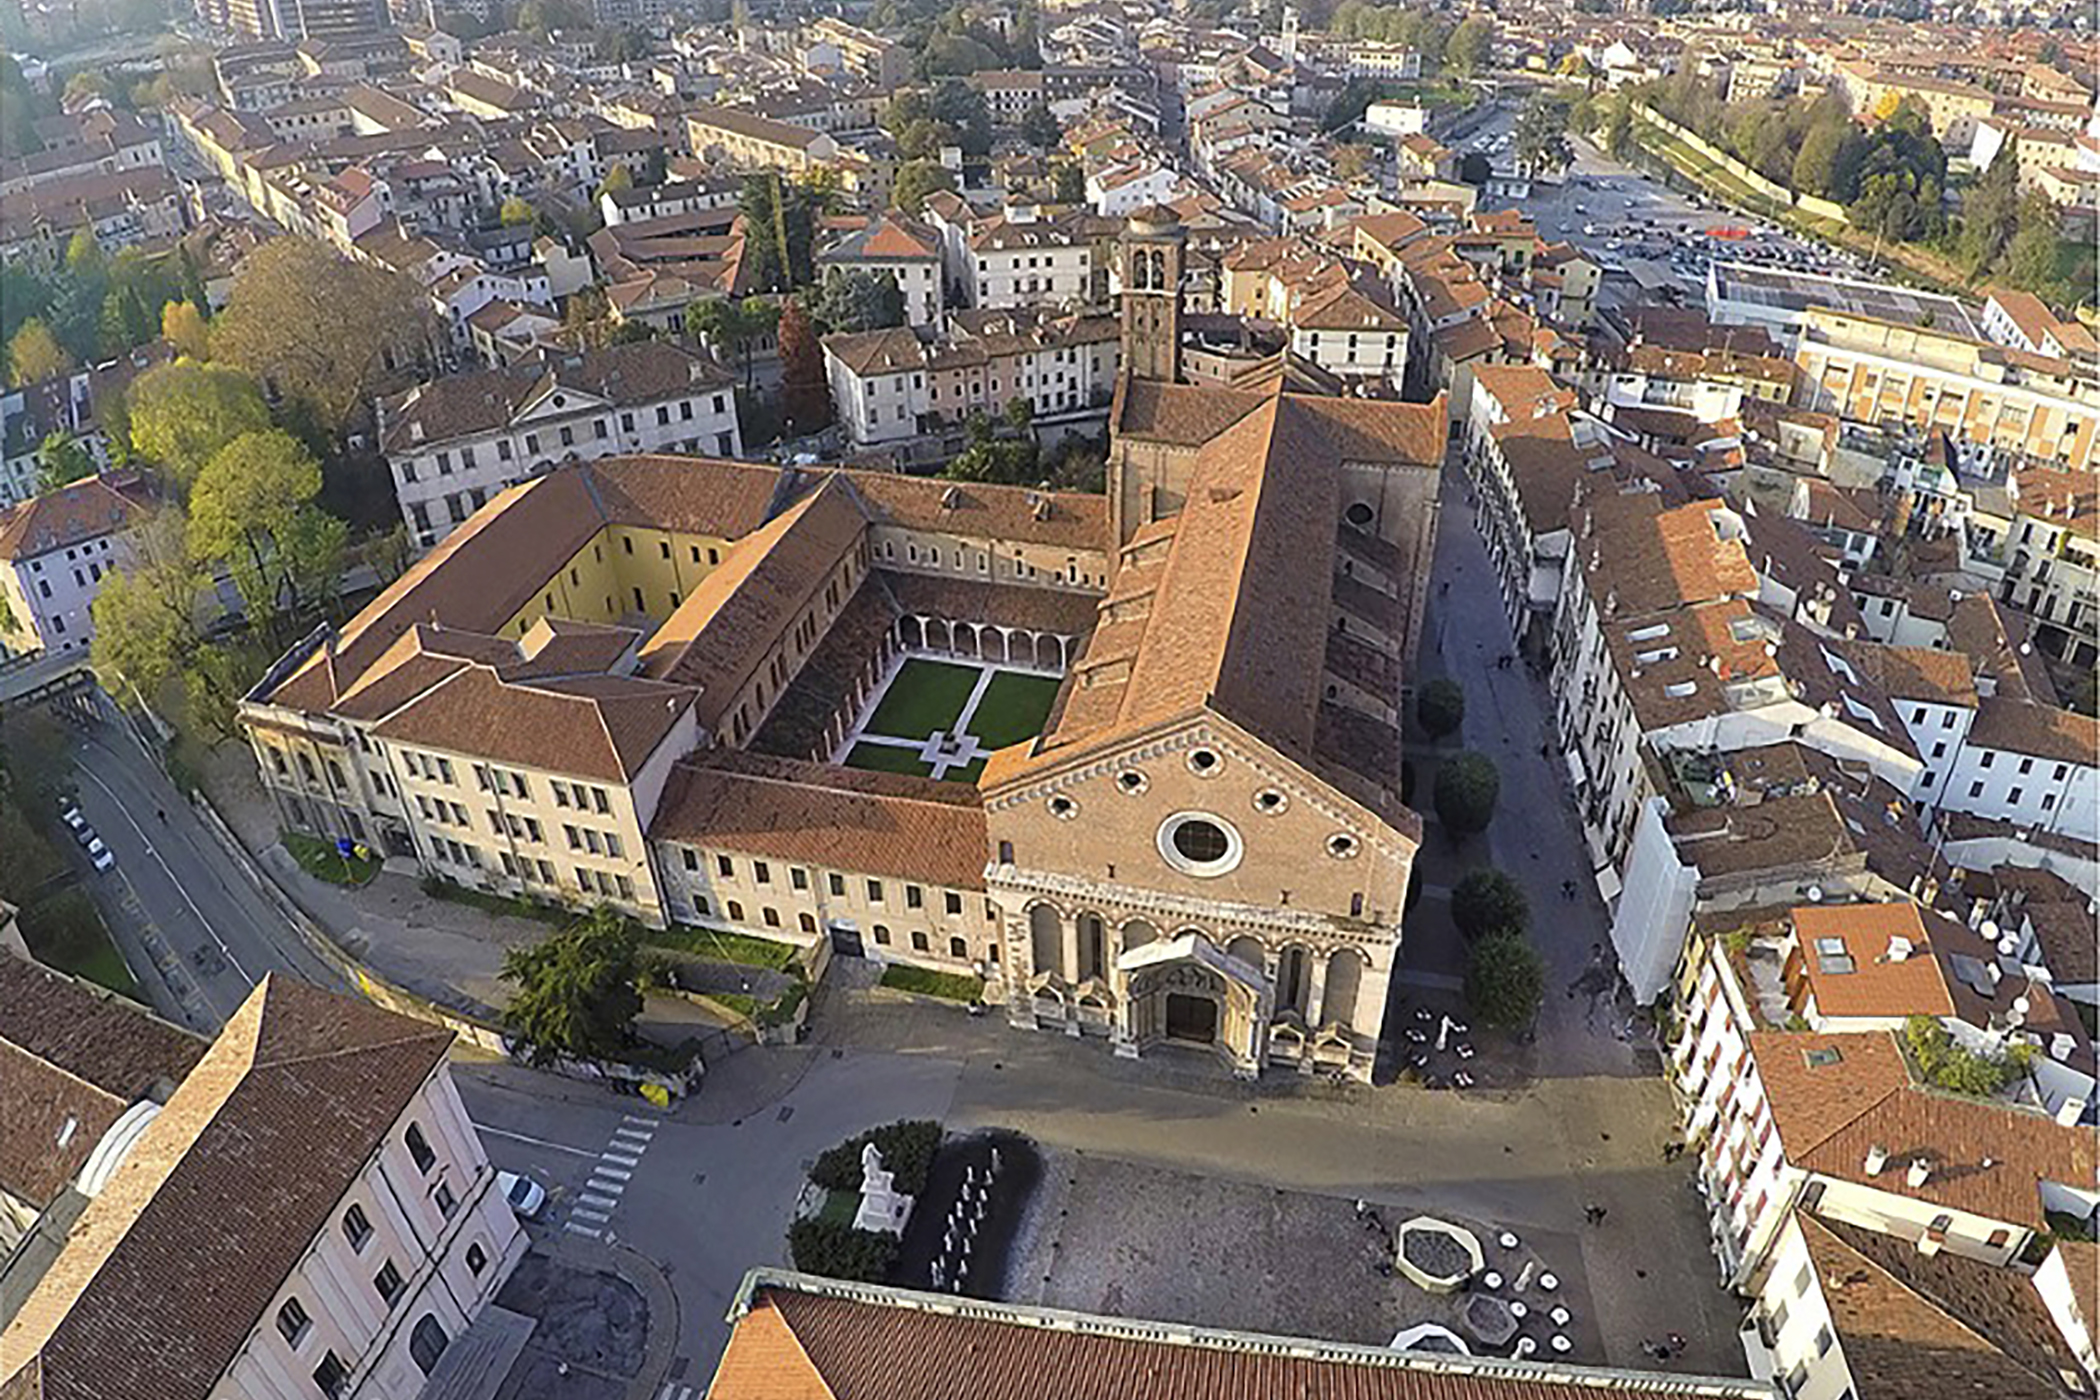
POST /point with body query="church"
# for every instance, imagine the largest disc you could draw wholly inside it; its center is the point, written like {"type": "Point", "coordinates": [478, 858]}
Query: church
{"type": "Point", "coordinates": [1133, 761]}
{"type": "Point", "coordinates": [1206, 845]}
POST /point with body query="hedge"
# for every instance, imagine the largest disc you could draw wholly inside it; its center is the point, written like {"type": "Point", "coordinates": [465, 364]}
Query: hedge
{"type": "Point", "coordinates": [907, 1149]}
{"type": "Point", "coordinates": [820, 1246]}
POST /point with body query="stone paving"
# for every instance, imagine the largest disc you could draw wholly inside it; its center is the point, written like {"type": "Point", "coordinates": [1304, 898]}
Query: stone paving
{"type": "Point", "coordinates": [1147, 1242]}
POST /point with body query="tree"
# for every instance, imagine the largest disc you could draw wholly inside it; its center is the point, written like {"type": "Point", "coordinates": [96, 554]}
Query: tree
{"type": "Point", "coordinates": [1471, 47]}
{"type": "Point", "coordinates": [1349, 105]}
{"type": "Point", "coordinates": [1352, 160]}
{"type": "Point", "coordinates": [34, 354]}
{"type": "Point", "coordinates": [320, 327]}
{"type": "Point", "coordinates": [1541, 138]}
{"type": "Point", "coordinates": [1475, 169]}
{"type": "Point", "coordinates": [516, 213]}
{"type": "Point", "coordinates": [244, 516]}
{"type": "Point", "coordinates": [1440, 707]}
{"type": "Point", "coordinates": [617, 180]}
{"type": "Point", "coordinates": [1505, 980]}
{"type": "Point", "coordinates": [732, 327]}
{"type": "Point", "coordinates": [859, 300]}
{"type": "Point", "coordinates": [917, 179]}
{"type": "Point", "coordinates": [1466, 788]}
{"type": "Point", "coordinates": [546, 16]}
{"type": "Point", "coordinates": [1822, 159]}
{"type": "Point", "coordinates": [2031, 257]}
{"type": "Point", "coordinates": [1067, 183]}
{"type": "Point", "coordinates": [1488, 901]}
{"type": "Point", "coordinates": [957, 105]}
{"type": "Point", "coordinates": [781, 218]}
{"type": "Point", "coordinates": [1040, 129]}
{"type": "Point", "coordinates": [807, 399]}
{"type": "Point", "coordinates": [575, 990]}
{"type": "Point", "coordinates": [146, 613]}
{"type": "Point", "coordinates": [183, 413]}
{"type": "Point", "coordinates": [190, 282]}
{"type": "Point", "coordinates": [182, 326]}
{"type": "Point", "coordinates": [61, 459]}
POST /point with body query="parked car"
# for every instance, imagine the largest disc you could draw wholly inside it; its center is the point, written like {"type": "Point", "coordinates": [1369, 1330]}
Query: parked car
{"type": "Point", "coordinates": [97, 853]}
{"type": "Point", "coordinates": [70, 815]}
{"type": "Point", "coordinates": [525, 1195]}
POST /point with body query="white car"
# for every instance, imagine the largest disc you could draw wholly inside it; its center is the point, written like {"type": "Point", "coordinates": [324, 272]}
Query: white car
{"type": "Point", "coordinates": [525, 1195]}
{"type": "Point", "coordinates": [72, 818]}
{"type": "Point", "coordinates": [98, 854]}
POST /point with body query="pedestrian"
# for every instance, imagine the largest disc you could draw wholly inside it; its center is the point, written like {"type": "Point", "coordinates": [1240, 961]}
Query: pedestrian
{"type": "Point", "coordinates": [1676, 1343]}
{"type": "Point", "coordinates": [1443, 588]}
{"type": "Point", "coordinates": [1593, 1215]}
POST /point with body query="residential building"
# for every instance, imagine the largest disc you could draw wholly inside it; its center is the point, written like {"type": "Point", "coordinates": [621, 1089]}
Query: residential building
{"type": "Point", "coordinates": [750, 141]}
{"type": "Point", "coordinates": [345, 1262]}
{"type": "Point", "coordinates": [1020, 259]}
{"type": "Point", "coordinates": [56, 550]}
{"type": "Point", "coordinates": [902, 249]}
{"type": "Point", "coordinates": [455, 443]}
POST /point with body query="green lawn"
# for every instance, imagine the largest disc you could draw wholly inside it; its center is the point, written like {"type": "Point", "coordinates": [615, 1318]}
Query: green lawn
{"type": "Point", "coordinates": [320, 859]}
{"type": "Point", "coordinates": [1012, 708]}
{"type": "Point", "coordinates": [887, 758]}
{"type": "Point", "coordinates": [839, 1207]}
{"type": "Point", "coordinates": [66, 931]}
{"type": "Point", "coordinates": [969, 773]}
{"type": "Point", "coordinates": [724, 947]}
{"type": "Point", "coordinates": [952, 985]}
{"type": "Point", "coordinates": [925, 696]}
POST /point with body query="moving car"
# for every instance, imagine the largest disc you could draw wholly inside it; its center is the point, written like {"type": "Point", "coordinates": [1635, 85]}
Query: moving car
{"type": "Point", "coordinates": [525, 1195]}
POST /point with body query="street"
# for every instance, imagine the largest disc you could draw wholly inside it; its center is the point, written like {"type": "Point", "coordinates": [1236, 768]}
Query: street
{"type": "Point", "coordinates": [196, 934]}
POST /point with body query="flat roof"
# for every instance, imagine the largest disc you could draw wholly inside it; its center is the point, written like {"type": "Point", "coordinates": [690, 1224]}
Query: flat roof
{"type": "Point", "coordinates": [1791, 293]}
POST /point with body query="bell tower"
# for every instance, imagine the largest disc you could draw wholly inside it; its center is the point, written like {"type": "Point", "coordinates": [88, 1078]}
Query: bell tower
{"type": "Point", "coordinates": [1152, 250]}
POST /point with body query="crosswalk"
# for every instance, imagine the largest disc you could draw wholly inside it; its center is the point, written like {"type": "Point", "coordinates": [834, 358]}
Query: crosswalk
{"type": "Point", "coordinates": [675, 1391]}
{"type": "Point", "coordinates": [591, 1214]}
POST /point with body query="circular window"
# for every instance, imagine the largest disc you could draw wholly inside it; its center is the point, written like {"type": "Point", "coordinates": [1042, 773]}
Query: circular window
{"type": "Point", "coordinates": [1131, 781]}
{"type": "Point", "coordinates": [1205, 762]}
{"type": "Point", "coordinates": [1196, 843]}
{"type": "Point", "coordinates": [1341, 845]}
{"type": "Point", "coordinates": [1359, 515]}
{"type": "Point", "coordinates": [1063, 807]}
{"type": "Point", "coordinates": [1270, 801]}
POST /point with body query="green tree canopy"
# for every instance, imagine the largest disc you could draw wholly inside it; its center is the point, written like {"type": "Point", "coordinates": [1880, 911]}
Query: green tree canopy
{"type": "Point", "coordinates": [918, 179]}
{"type": "Point", "coordinates": [249, 510]}
{"type": "Point", "coordinates": [183, 413]}
{"type": "Point", "coordinates": [34, 354]}
{"type": "Point", "coordinates": [859, 300]}
{"type": "Point", "coordinates": [61, 459]}
{"type": "Point", "coordinates": [1440, 706]}
{"type": "Point", "coordinates": [574, 992]}
{"type": "Point", "coordinates": [1467, 786]}
{"type": "Point", "coordinates": [1505, 980]}
{"type": "Point", "coordinates": [1471, 48]}
{"type": "Point", "coordinates": [1488, 901]}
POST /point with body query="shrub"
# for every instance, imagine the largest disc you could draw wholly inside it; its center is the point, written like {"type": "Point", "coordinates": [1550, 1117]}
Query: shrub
{"type": "Point", "coordinates": [1488, 901]}
{"type": "Point", "coordinates": [907, 1149]}
{"type": "Point", "coordinates": [820, 1246]}
{"type": "Point", "coordinates": [1466, 788]}
{"type": "Point", "coordinates": [1956, 1068]}
{"type": "Point", "coordinates": [1505, 980]}
{"type": "Point", "coordinates": [1440, 707]}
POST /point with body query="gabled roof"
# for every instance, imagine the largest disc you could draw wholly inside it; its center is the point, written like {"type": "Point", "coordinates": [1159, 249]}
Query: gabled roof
{"type": "Point", "coordinates": [1945, 1325]}
{"type": "Point", "coordinates": [85, 510]}
{"type": "Point", "coordinates": [803, 1338]}
{"type": "Point", "coordinates": [887, 238]}
{"type": "Point", "coordinates": [172, 1265]}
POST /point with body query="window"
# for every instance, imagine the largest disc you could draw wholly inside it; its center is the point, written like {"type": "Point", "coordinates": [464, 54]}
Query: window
{"type": "Point", "coordinates": [799, 878]}
{"type": "Point", "coordinates": [292, 1322]}
{"type": "Point", "coordinates": [356, 1228]}
{"type": "Point", "coordinates": [389, 1282]}
{"type": "Point", "coordinates": [761, 872]}
{"type": "Point", "coordinates": [427, 1342]}
{"type": "Point", "coordinates": [477, 1259]}
{"type": "Point", "coordinates": [419, 1148]}
{"type": "Point", "coordinates": [613, 847]}
{"type": "Point", "coordinates": [837, 885]}
{"type": "Point", "coordinates": [1976, 789]}
{"type": "Point", "coordinates": [918, 940]}
{"type": "Point", "coordinates": [914, 897]}
{"type": "Point", "coordinates": [1990, 756]}
{"type": "Point", "coordinates": [446, 1201]}
{"type": "Point", "coordinates": [331, 1375]}
{"type": "Point", "coordinates": [953, 902]}
{"type": "Point", "coordinates": [690, 857]}
{"type": "Point", "coordinates": [882, 934]}
{"type": "Point", "coordinates": [772, 917]}
{"type": "Point", "coordinates": [874, 891]}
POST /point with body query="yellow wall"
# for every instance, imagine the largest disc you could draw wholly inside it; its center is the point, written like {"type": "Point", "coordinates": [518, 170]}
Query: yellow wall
{"type": "Point", "coordinates": [598, 583]}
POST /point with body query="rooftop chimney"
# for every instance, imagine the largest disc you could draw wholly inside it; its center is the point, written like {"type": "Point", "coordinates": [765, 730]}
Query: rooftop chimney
{"type": "Point", "coordinates": [1920, 1171]}
{"type": "Point", "coordinates": [1877, 1158]}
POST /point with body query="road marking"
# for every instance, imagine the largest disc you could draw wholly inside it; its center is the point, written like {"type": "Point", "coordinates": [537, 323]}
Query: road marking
{"type": "Point", "coordinates": [632, 1118]}
{"type": "Point", "coordinates": [616, 1157]}
{"type": "Point", "coordinates": [599, 1202]}
{"type": "Point", "coordinates": [619, 1172]}
{"type": "Point", "coordinates": [537, 1142]}
{"type": "Point", "coordinates": [597, 1217]}
{"type": "Point", "coordinates": [643, 1133]}
{"type": "Point", "coordinates": [162, 860]}
{"type": "Point", "coordinates": [573, 1228]}
{"type": "Point", "coordinates": [613, 1189]}
{"type": "Point", "coordinates": [676, 1392]}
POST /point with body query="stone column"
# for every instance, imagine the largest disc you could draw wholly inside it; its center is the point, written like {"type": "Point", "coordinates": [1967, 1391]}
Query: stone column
{"type": "Point", "coordinates": [1070, 927]}
{"type": "Point", "coordinates": [1316, 991]}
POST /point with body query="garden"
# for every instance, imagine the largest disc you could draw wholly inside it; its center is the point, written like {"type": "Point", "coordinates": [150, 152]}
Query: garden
{"type": "Point", "coordinates": [939, 719]}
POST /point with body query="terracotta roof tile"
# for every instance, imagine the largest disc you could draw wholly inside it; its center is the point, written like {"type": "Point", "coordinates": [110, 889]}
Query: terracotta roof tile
{"type": "Point", "coordinates": [831, 817]}
{"type": "Point", "coordinates": [104, 1321]}
{"type": "Point", "coordinates": [60, 519]}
